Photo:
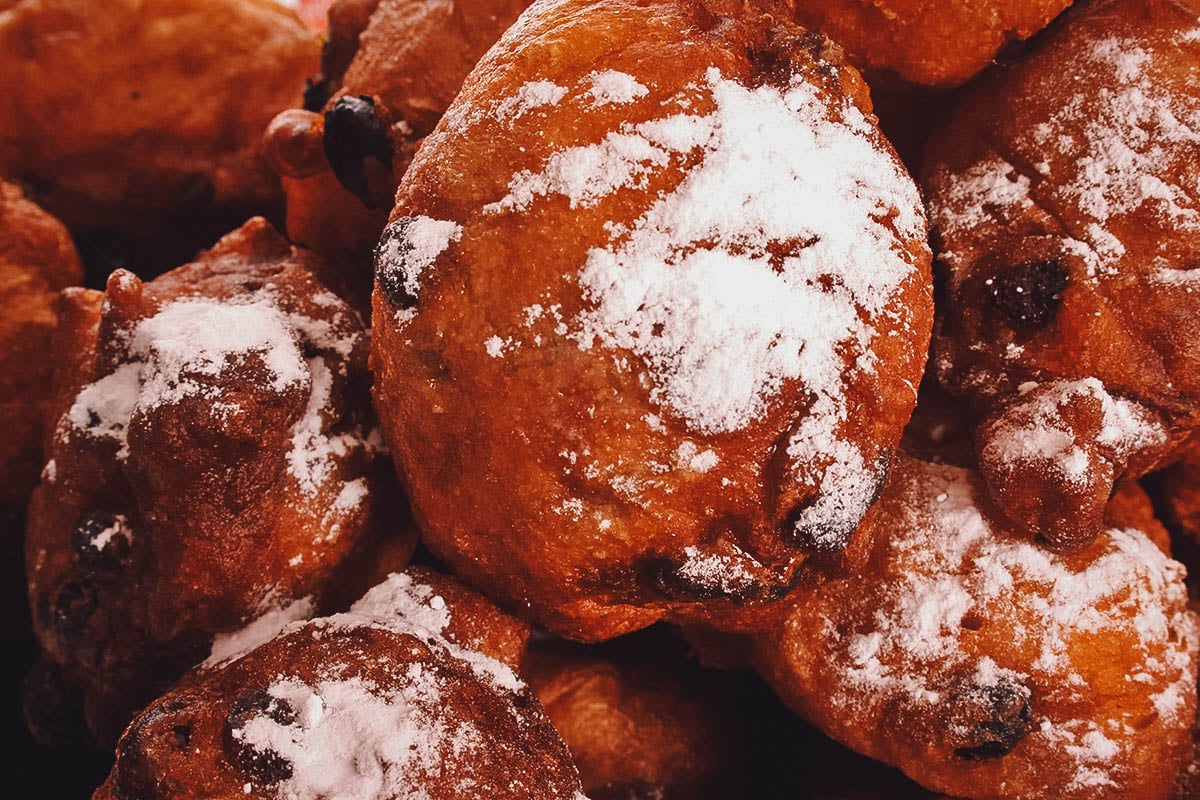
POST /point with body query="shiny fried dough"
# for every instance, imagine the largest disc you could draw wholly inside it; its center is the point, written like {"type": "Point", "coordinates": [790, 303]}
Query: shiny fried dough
{"type": "Point", "coordinates": [649, 317]}
{"type": "Point", "coordinates": [930, 43]}
{"type": "Point", "coordinates": [1065, 197]}
{"type": "Point", "coordinates": [640, 720]}
{"type": "Point", "coordinates": [985, 666]}
{"type": "Point", "coordinates": [37, 260]}
{"type": "Point", "coordinates": [210, 460]}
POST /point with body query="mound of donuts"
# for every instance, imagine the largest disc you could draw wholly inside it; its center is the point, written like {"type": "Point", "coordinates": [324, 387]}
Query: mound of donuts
{"type": "Point", "coordinates": [609, 399]}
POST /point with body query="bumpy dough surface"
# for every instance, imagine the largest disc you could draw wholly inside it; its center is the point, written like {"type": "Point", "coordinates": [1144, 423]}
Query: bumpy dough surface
{"type": "Point", "coordinates": [985, 666]}
{"type": "Point", "coordinates": [37, 261]}
{"type": "Point", "coordinates": [640, 720]}
{"type": "Point", "coordinates": [388, 701]}
{"type": "Point", "coordinates": [124, 112]}
{"type": "Point", "coordinates": [210, 460]}
{"type": "Point", "coordinates": [930, 42]}
{"type": "Point", "coordinates": [652, 309]}
{"type": "Point", "coordinates": [1065, 198]}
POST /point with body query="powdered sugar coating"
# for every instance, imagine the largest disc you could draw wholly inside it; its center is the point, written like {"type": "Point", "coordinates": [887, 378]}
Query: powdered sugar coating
{"type": "Point", "coordinates": [614, 87]}
{"type": "Point", "coordinates": [182, 351]}
{"type": "Point", "coordinates": [352, 740]}
{"type": "Point", "coordinates": [952, 598]}
{"type": "Point", "coordinates": [1034, 432]}
{"type": "Point", "coordinates": [227, 647]}
{"type": "Point", "coordinates": [692, 289]}
{"type": "Point", "coordinates": [416, 246]}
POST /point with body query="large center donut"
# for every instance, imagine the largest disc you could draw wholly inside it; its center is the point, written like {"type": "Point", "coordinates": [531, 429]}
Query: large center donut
{"type": "Point", "coordinates": [650, 314]}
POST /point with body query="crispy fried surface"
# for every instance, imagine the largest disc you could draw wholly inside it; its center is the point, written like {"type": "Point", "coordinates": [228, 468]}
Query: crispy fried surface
{"type": "Point", "coordinates": [126, 114]}
{"type": "Point", "coordinates": [639, 719]}
{"type": "Point", "coordinates": [383, 701]}
{"type": "Point", "coordinates": [608, 428]}
{"type": "Point", "coordinates": [209, 462]}
{"type": "Point", "coordinates": [925, 41]}
{"type": "Point", "coordinates": [37, 260]}
{"type": "Point", "coordinates": [340, 164]}
{"type": "Point", "coordinates": [1064, 196]}
{"type": "Point", "coordinates": [985, 666]}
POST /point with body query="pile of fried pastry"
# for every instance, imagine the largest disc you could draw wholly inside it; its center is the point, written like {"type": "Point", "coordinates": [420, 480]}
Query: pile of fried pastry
{"type": "Point", "coordinates": [853, 344]}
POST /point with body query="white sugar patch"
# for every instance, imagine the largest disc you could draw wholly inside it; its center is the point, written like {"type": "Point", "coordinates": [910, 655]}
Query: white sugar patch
{"type": "Point", "coordinates": [411, 245]}
{"type": "Point", "coordinates": [610, 86]}
{"type": "Point", "coordinates": [585, 174]}
{"type": "Point", "coordinates": [176, 355]}
{"type": "Point", "coordinates": [717, 572]}
{"type": "Point", "coordinates": [182, 352]}
{"type": "Point", "coordinates": [118, 529]}
{"type": "Point", "coordinates": [531, 95]}
{"type": "Point", "coordinates": [352, 740]}
{"type": "Point", "coordinates": [403, 605]}
{"type": "Point", "coordinates": [1034, 430]}
{"type": "Point", "coordinates": [950, 564]}
{"type": "Point", "coordinates": [228, 647]}
{"type": "Point", "coordinates": [692, 289]}
{"type": "Point", "coordinates": [1133, 128]}
{"type": "Point", "coordinates": [690, 456]}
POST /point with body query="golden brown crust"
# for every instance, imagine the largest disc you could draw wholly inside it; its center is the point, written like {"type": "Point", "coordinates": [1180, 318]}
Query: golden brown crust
{"type": "Point", "coordinates": [37, 261]}
{"type": "Point", "coordinates": [985, 666]}
{"type": "Point", "coordinates": [639, 720]}
{"type": "Point", "coordinates": [1063, 196]}
{"type": "Point", "coordinates": [209, 462]}
{"type": "Point", "coordinates": [128, 113]}
{"type": "Point", "coordinates": [926, 41]}
{"type": "Point", "coordinates": [561, 451]}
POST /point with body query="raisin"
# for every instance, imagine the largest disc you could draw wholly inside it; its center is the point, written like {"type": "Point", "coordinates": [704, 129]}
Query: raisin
{"type": "Point", "coordinates": [1028, 296]}
{"type": "Point", "coordinates": [391, 269]}
{"type": "Point", "coordinates": [266, 766]}
{"type": "Point", "coordinates": [316, 94]}
{"type": "Point", "coordinates": [833, 535]}
{"type": "Point", "coordinates": [73, 609]}
{"type": "Point", "coordinates": [100, 543]}
{"type": "Point", "coordinates": [989, 721]}
{"type": "Point", "coordinates": [183, 736]}
{"type": "Point", "coordinates": [354, 133]}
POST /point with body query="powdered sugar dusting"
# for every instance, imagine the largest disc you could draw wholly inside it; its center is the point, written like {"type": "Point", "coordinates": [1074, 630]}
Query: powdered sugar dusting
{"type": "Point", "coordinates": [406, 606]}
{"type": "Point", "coordinates": [692, 290]}
{"type": "Point", "coordinates": [176, 354]}
{"type": "Point", "coordinates": [531, 95]}
{"type": "Point", "coordinates": [610, 86]}
{"type": "Point", "coordinates": [181, 353]}
{"type": "Point", "coordinates": [1131, 130]}
{"type": "Point", "coordinates": [715, 571]}
{"type": "Point", "coordinates": [415, 246]}
{"type": "Point", "coordinates": [352, 740]}
{"type": "Point", "coordinates": [949, 565]}
{"type": "Point", "coordinates": [1034, 430]}
{"type": "Point", "coordinates": [228, 647]}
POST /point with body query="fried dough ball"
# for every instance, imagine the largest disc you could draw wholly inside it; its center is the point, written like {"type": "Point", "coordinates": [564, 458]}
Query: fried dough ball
{"type": "Point", "coordinates": [640, 721]}
{"type": "Point", "coordinates": [650, 315]}
{"type": "Point", "coordinates": [37, 261]}
{"type": "Point", "coordinates": [1065, 195]}
{"type": "Point", "coordinates": [392, 66]}
{"type": "Point", "coordinates": [142, 116]}
{"type": "Point", "coordinates": [928, 43]}
{"type": "Point", "coordinates": [380, 703]}
{"type": "Point", "coordinates": [210, 460]}
{"type": "Point", "coordinates": [986, 666]}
